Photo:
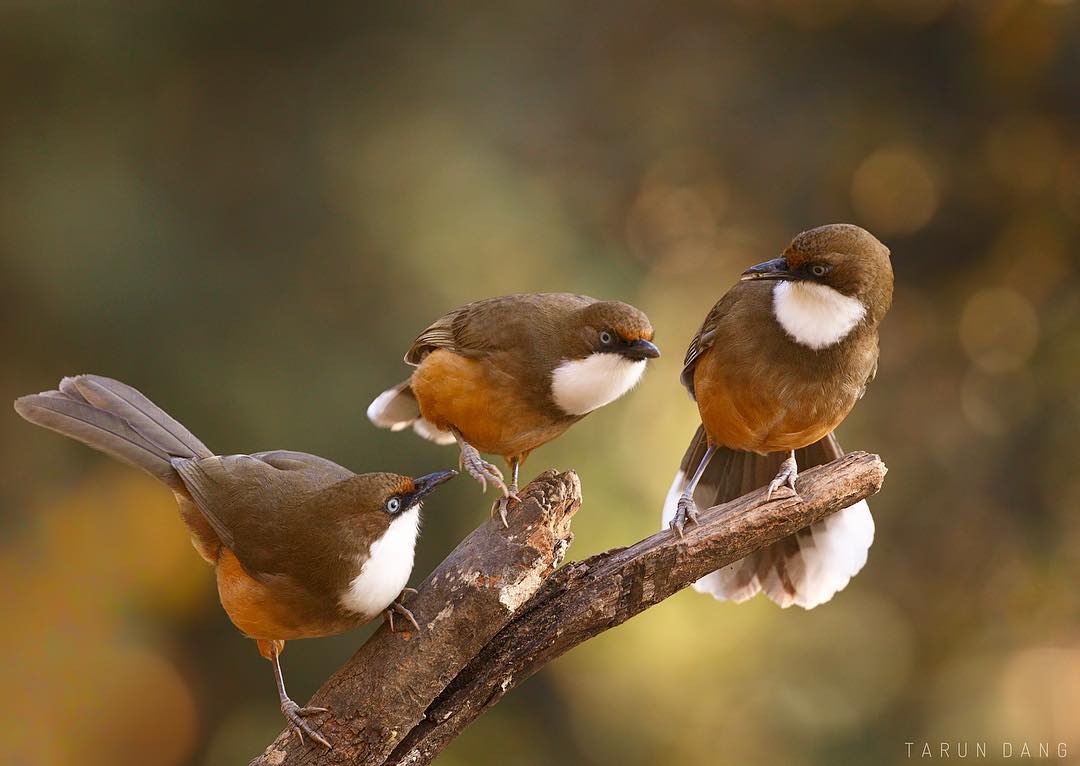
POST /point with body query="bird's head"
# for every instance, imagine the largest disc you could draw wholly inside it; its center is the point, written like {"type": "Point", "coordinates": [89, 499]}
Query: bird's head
{"type": "Point", "coordinates": [606, 348]}
{"type": "Point", "coordinates": [839, 256]}
{"type": "Point", "coordinates": [613, 327]}
{"type": "Point", "coordinates": [389, 504]}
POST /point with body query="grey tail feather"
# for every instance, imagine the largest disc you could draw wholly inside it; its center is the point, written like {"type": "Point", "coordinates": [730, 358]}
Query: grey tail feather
{"type": "Point", "coordinates": [116, 419]}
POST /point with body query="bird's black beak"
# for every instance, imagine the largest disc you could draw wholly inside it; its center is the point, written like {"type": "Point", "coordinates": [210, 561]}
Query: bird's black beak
{"type": "Point", "coordinates": [425, 485]}
{"type": "Point", "coordinates": [777, 268]}
{"type": "Point", "coordinates": [640, 349]}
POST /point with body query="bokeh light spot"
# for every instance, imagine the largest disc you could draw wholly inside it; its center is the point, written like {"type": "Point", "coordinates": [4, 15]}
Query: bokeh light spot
{"type": "Point", "coordinates": [1025, 704]}
{"type": "Point", "coordinates": [999, 329]}
{"type": "Point", "coordinates": [896, 190]}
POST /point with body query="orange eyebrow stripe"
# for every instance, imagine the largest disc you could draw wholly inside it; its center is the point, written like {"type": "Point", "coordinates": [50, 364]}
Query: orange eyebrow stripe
{"type": "Point", "coordinates": [795, 258]}
{"type": "Point", "coordinates": [636, 333]}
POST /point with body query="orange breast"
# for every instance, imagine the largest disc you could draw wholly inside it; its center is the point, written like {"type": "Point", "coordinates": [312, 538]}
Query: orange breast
{"type": "Point", "coordinates": [488, 407]}
{"type": "Point", "coordinates": [250, 604]}
{"type": "Point", "coordinates": [268, 612]}
{"type": "Point", "coordinates": [747, 408]}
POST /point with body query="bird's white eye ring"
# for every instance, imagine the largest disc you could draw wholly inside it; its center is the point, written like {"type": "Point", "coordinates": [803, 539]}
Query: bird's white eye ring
{"type": "Point", "coordinates": [393, 504]}
{"type": "Point", "coordinates": [818, 270]}
{"type": "Point", "coordinates": [606, 338]}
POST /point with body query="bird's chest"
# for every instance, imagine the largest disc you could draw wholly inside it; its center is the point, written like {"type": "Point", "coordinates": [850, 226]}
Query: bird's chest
{"type": "Point", "coordinates": [276, 607]}
{"type": "Point", "coordinates": [385, 571]}
{"type": "Point", "coordinates": [498, 408]}
{"type": "Point", "coordinates": [775, 396]}
{"type": "Point", "coordinates": [784, 368]}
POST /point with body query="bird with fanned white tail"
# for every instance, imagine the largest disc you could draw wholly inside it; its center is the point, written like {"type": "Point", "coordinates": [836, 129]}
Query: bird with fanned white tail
{"type": "Point", "coordinates": [777, 365]}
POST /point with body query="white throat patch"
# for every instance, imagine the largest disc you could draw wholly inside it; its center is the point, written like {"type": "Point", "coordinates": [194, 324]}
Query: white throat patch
{"type": "Point", "coordinates": [815, 315]}
{"type": "Point", "coordinates": [583, 385]}
{"type": "Point", "coordinates": [387, 569]}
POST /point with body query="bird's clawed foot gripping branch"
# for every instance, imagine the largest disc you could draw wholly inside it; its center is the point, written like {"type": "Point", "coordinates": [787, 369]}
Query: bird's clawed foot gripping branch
{"type": "Point", "coordinates": [499, 607]}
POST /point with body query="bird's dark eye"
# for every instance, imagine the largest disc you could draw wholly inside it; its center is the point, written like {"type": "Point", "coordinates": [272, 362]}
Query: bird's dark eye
{"type": "Point", "coordinates": [393, 505]}
{"type": "Point", "coordinates": [818, 269]}
{"type": "Point", "coordinates": [606, 338]}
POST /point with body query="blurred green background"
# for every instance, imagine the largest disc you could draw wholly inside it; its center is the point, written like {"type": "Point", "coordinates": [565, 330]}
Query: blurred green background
{"type": "Point", "coordinates": [249, 210]}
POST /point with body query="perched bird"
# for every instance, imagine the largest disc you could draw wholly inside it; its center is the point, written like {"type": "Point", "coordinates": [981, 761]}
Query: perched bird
{"type": "Point", "coordinates": [506, 375]}
{"type": "Point", "coordinates": [777, 365]}
{"type": "Point", "coordinates": [301, 546]}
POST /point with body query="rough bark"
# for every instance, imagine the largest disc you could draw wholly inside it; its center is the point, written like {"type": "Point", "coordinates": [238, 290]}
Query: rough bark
{"type": "Point", "coordinates": [497, 610]}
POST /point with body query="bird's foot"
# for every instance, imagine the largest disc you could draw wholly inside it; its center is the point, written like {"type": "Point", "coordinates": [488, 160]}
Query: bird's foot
{"type": "Point", "coordinates": [502, 504]}
{"type": "Point", "coordinates": [296, 716]}
{"type": "Point", "coordinates": [480, 469]}
{"type": "Point", "coordinates": [685, 513]}
{"type": "Point", "coordinates": [785, 477]}
{"type": "Point", "coordinates": [398, 606]}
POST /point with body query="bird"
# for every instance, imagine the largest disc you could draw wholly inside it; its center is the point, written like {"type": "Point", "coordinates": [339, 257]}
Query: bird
{"type": "Point", "coordinates": [776, 366]}
{"type": "Point", "coordinates": [506, 375]}
{"type": "Point", "coordinates": [301, 546]}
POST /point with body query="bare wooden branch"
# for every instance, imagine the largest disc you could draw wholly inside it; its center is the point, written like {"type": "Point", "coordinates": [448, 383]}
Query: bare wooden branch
{"type": "Point", "coordinates": [497, 610]}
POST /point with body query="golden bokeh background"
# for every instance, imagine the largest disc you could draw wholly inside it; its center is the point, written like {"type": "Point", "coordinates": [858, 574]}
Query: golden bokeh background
{"type": "Point", "coordinates": [249, 210]}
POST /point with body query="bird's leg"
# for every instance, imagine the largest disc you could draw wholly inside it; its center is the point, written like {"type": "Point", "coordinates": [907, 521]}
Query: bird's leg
{"type": "Point", "coordinates": [503, 502]}
{"type": "Point", "coordinates": [786, 476]}
{"type": "Point", "coordinates": [293, 712]}
{"type": "Point", "coordinates": [398, 605]}
{"type": "Point", "coordinates": [478, 468]}
{"type": "Point", "coordinates": [686, 508]}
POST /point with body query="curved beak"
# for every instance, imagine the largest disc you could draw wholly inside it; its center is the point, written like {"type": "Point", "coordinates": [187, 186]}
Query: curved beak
{"type": "Point", "coordinates": [640, 349]}
{"type": "Point", "coordinates": [777, 268]}
{"type": "Point", "coordinates": [425, 485]}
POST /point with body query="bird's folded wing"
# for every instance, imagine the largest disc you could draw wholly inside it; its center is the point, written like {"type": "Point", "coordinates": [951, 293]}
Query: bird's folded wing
{"type": "Point", "coordinates": [494, 324]}
{"type": "Point", "coordinates": [702, 342]}
{"type": "Point", "coordinates": [463, 331]}
{"type": "Point", "coordinates": [287, 460]}
{"type": "Point", "coordinates": [240, 495]}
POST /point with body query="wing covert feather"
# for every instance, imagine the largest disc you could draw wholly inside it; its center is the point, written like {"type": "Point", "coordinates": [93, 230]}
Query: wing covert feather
{"type": "Point", "coordinates": [702, 342]}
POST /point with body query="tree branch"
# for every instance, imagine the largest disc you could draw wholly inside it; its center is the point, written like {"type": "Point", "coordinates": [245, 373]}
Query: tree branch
{"type": "Point", "coordinates": [497, 610]}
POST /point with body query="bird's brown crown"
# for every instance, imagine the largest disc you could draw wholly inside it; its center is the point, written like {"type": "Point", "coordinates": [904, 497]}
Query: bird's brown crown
{"type": "Point", "coordinates": [856, 263]}
{"type": "Point", "coordinates": [376, 488]}
{"type": "Point", "coordinates": [628, 322]}
{"type": "Point", "coordinates": [366, 498]}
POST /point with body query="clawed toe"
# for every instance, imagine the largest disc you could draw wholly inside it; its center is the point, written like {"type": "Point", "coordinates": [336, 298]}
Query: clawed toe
{"type": "Point", "coordinates": [399, 608]}
{"type": "Point", "coordinates": [297, 723]}
{"type": "Point", "coordinates": [785, 477]}
{"type": "Point", "coordinates": [502, 505]}
{"type": "Point", "coordinates": [685, 513]}
{"type": "Point", "coordinates": [483, 471]}
{"type": "Point", "coordinates": [477, 467]}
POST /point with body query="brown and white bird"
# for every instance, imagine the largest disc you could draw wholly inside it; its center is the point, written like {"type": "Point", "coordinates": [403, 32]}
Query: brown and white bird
{"type": "Point", "coordinates": [777, 365]}
{"type": "Point", "coordinates": [506, 375]}
{"type": "Point", "coordinates": [301, 546]}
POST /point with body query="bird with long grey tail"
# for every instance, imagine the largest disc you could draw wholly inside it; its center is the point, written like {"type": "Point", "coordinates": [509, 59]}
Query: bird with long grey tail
{"type": "Point", "coordinates": [301, 546]}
